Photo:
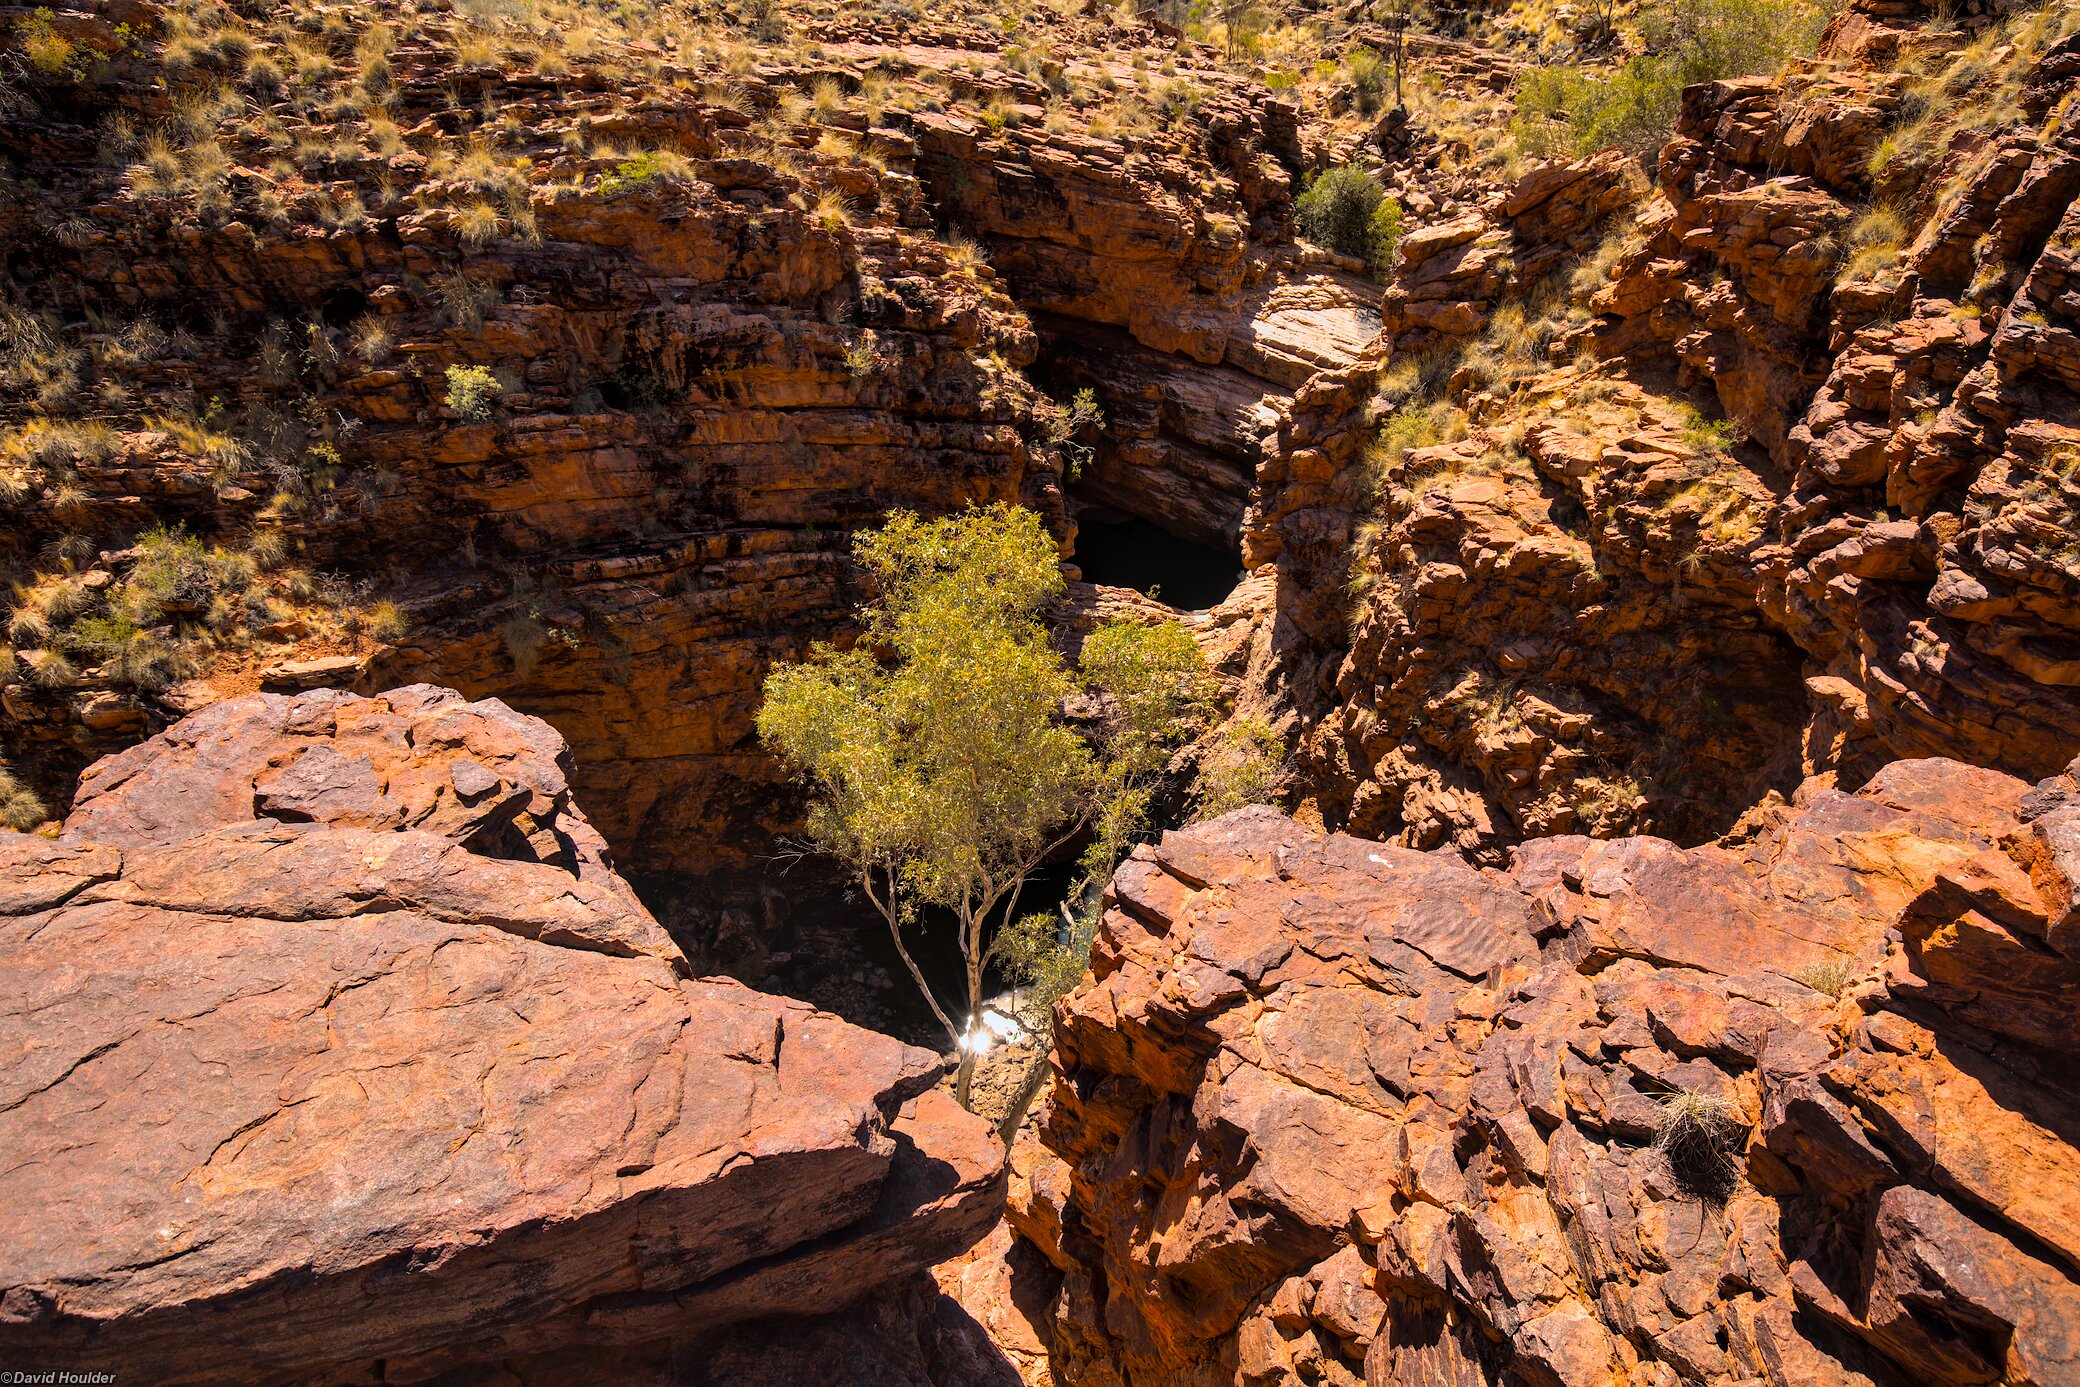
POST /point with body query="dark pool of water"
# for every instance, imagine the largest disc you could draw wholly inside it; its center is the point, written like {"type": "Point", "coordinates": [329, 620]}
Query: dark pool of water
{"type": "Point", "coordinates": [1129, 552]}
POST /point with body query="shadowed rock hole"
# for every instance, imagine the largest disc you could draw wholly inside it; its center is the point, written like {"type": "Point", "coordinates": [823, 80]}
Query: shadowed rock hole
{"type": "Point", "coordinates": [342, 305]}
{"type": "Point", "coordinates": [1126, 551]}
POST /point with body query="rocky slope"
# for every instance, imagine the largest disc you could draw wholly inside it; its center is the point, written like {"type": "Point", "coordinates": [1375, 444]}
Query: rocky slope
{"type": "Point", "coordinates": [334, 1051]}
{"type": "Point", "coordinates": [1650, 503]}
{"type": "Point", "coordinates": [553, 351]}
{"type": "Point", "coordinates": [1791, 1112]}
{"type": "Point", "coordinates": [730, 308]}
{"type": "Point", "coordinates": [717, 350]}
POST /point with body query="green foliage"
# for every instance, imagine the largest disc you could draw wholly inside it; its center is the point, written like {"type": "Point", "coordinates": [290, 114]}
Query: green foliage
{"type": "Point", "coordinates": [1245, 768]}
{"type": "Point", "coordinates": [941, 768]}
{"type": "Point", "coordinates": [1064, 428]}
{"type": "Point", "coordinates": [644, 167]}
{"type": "Point", "coordinates": [1345, 210]}
{"type": "Point", "coordinates": [473, 392]}
{"type": "Point", "coordinates": [127, 654]}
{"type": "Point", "coordinates": [1580, 110]}
{"type": "Point", "coordinates": [863, 357]}
{"type": "Point", "coordinates": [1370, 76]}
{"type": "Point", "coordinates": [1044, 957]}
{"type": "Point", "coordinates": [1155, 681]}
{"type": "Point", "coordinates": [50, 53]}
{"type": "Point", "coordinates": [1875, 242]}
{"type": "Point", "coordinates": [181, 597]}
{"type": "Point", "coordinates": [1706, 435]}
{"type": "Point", "coordinates": [1384, 242]}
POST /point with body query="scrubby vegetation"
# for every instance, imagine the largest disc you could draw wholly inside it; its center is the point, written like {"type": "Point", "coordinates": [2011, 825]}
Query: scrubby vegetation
{"type": "Point", "coordinates": [1951, 88]}
{"type": "Point", "coordinates": [473, 392]}
{"type": "Point", "coordinates": [21, 808]}
{"type": "Point", "coordinates": [1580, 109]}
{"type": "Point", "coordinates": [158, 611]}
{"type": "Point", "coordinates": [1246, 766]}
{"type": "Point", "coordinates": [1700, 1135]}
{"type": "Point", "coordinates": [1345, 210]}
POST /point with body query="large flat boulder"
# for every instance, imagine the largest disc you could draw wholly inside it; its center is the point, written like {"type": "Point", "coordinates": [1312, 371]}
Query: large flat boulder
{"type": "Point", "coordinates": [331, 1050]}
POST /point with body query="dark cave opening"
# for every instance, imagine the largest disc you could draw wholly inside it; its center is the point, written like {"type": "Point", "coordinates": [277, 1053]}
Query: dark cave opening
{"type": "Point", "coordinates": [1126, 551]}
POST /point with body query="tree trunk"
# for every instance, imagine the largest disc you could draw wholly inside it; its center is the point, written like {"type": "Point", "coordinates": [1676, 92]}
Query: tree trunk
{"type": "Point", "coordinates": [971, 948]}
{"type": "Point", "coordinates": [1022, 1101]}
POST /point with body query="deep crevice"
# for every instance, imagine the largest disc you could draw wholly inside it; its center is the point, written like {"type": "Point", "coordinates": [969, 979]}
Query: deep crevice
{"type": "Point", "coordinates": [1127, 551]}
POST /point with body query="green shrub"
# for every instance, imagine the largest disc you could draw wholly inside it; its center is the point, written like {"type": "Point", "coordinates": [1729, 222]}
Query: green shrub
{"type": "Point", "coordinates": [1245, 767]}
{"type": "Point", "coordinates": [1385, 241]}
{"type": "Point", "coordinates": [1566, 111]}
{"type": "Point", "coordinates": [1345, 210]}
{"type": "Point", "coordinates": [1370, 75]}
{"type": "Point", "coordinates": [643, 167]}
{"type": "Point", "coordinates": [49, 52]}
{"type": "Point", "coordinates": [1578, 111]}
{"type": "Point", "coordinates": [473, 392]}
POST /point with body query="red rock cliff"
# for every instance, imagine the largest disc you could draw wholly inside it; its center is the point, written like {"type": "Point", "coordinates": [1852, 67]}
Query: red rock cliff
{"type": "Point", "coordinates": [1792, 1112]}
{"type": "Point", "coordinates": [332, 1050]}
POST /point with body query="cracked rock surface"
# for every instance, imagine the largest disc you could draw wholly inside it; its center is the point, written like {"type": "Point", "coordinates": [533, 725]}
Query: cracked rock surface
{"type": "Point", "coordinates": [334, 1051]}
{"type": "Point", "coordinates": [1792, 1111]}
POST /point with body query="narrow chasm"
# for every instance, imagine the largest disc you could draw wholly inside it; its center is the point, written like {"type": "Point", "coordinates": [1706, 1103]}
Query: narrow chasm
{"type": "Point", "coordinates": [1124, 551]}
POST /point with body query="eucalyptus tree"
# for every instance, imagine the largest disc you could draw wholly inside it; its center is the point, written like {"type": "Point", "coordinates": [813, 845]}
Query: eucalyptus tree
{"type": "Point", "coordinates": [943, 768]}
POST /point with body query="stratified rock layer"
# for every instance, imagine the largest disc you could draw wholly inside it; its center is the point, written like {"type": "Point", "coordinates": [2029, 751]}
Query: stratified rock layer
{"type": "Point", "coordinates": [1799, 503]}
{"type": "Point", "coordinates": [333, 1051]}
{"type": "Point", "coordinates": [1790, 1113]}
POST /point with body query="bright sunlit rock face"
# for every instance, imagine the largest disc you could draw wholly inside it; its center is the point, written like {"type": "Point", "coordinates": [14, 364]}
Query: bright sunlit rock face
{"type": "Point", "coordinates": [404, 1049]}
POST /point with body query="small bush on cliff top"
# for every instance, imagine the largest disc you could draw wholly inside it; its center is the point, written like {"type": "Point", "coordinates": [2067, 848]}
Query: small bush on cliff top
{"type": "Point", "coordinates": [1345, 210]}
{"type": "Point", "coordinates": [1580, 110]}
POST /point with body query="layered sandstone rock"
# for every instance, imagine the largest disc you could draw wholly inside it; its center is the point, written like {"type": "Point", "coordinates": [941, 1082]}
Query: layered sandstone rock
{"type": "Point", "coordinates": [733, 316]}
{"type": "Point", "coordinates": [1796, 504]}
{"type": "Point", "coordinates": [1160, 273]}
{"type": "Point", "coordinates": [1790, 1112]}
{"type": "Point", "coordinates": [335, 1052]}
{"type": "Point", "coordinates": [1917, 393]}
{"type": "Point", "coordinates": [704, 383]}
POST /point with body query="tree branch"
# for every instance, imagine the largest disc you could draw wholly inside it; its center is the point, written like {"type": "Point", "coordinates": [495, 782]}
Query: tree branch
{"type": "Point", "coordinates": [895, 932]}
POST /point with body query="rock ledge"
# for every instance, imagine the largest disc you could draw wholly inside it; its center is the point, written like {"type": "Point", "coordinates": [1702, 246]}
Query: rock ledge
{"type": "Point", "coordinates": [334, 1051]}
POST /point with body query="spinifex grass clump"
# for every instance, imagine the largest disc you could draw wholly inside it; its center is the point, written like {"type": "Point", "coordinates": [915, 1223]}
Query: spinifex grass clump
{"type": "Point", "coordinates": [1700, 1135]}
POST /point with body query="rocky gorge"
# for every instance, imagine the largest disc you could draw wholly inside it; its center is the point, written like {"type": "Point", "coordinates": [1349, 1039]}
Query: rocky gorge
{"type": "Point", "coordinates": [424, 426]}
